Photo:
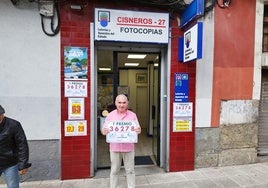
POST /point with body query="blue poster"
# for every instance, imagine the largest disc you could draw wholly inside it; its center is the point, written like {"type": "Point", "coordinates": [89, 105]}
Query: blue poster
{"type": "Point", "coordinates": [181, 86]}
{"type": "Point", "coordinates": [75, 62]}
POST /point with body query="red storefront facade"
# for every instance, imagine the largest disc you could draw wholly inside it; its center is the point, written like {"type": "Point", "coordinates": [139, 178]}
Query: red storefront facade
{"type": "Point", "coordinates": [77, 153]}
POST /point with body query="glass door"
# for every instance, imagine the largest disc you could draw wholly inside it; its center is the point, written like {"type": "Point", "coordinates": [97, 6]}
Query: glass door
{"type": "Point", "coordinates": [118, 73]}
{"type": "Point", "coordinates": [105, 101]}
{"type": "Point", "coordinates": [155, 115]}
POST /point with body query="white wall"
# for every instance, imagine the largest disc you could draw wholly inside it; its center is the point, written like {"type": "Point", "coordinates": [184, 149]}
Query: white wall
{"type": "Point", "coordinates": [258, 49]}
{"type": "Point", "coordinates": [204, 74]}
{"type": "Point", "coordinates": [30, 71]}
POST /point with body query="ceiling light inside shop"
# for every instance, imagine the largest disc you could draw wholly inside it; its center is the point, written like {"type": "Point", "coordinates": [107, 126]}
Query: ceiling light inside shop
{"type": "Point", "coordinates": [105, 69]}
{"type": "Point", "coordinates": [156, 64]}
{"type": "Point", "coordinates": [132, 64]}
{"type": "Point", "coordinates": [136, 56]}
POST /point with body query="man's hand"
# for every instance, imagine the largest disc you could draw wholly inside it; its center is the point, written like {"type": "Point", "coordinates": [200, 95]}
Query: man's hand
{"type": "Point", "coordinates": [138, 130]}
{"type": "Point", "coordinates": [23, 171]}
{"type": "Point", "coordinates": [105, 131]}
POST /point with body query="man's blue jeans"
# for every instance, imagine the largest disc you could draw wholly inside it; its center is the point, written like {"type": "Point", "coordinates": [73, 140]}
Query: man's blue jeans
{"type": "Point", "coordinates": [12, 177]}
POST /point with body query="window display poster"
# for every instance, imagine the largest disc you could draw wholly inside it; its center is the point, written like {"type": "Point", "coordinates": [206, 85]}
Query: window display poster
{"type": "Point", "coordinates": [76, 108]}
{"type": "Point", "coordinates": [75, 89]}
{"type": "Point", "coordinates": [75, 128]}
{"type": "Point", "coordinates": [75, 62]}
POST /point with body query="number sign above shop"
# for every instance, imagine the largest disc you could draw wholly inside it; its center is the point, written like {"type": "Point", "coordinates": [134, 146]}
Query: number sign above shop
{"type": "Point", "coordinates": [131, 26]}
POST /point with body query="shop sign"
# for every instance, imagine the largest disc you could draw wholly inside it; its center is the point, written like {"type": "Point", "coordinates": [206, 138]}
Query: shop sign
{"type": "Point", "coordinates": [181, 87]}
{"type": "Point", "coordinates": [131, 26]}
{"type": "Point", "coordinates": [193, 11]}
{"type": "Point", "coordinates": [190, 46]}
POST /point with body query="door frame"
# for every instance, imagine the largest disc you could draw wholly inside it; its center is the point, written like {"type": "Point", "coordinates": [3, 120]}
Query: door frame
{"type": "Point", "coordinates": [163, 102]}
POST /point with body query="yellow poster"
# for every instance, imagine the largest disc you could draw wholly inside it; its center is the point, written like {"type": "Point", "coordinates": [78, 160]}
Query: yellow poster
{"type": "Point", "coordinates": [76, 108]}
{"type": "Point", "coordinates": [182, 124]}
{"type": "Point", "coordinates": [75, 128]}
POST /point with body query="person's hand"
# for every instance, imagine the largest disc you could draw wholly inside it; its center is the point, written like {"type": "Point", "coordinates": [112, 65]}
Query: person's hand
{"type": "Point", "coordinates": [138, 130]}
{"type": "Point", "coordinates": [23, 171]}
{"type": "Point", "coordinates": [105, 131]}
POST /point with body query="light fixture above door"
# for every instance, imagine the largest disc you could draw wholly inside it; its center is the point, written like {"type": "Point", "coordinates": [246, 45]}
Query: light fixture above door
{"type": "Point", "coordinates": [104, 69]}
{"type": "Point", "coordinates": [132, 64]}
{"type": "Point", "coordinates": [136, 56]}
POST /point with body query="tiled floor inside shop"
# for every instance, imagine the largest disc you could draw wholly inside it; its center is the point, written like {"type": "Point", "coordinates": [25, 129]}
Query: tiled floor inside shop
{"type": "Point", "coordinates": [142, 148]}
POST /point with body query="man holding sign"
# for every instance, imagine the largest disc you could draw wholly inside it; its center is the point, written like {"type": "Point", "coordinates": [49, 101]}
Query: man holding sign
{"type": "Point", "coordinates": [121, 127]}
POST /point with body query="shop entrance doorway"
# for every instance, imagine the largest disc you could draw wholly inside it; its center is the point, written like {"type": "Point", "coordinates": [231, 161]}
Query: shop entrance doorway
{"type": "Point", "coordinates": [138, 78]}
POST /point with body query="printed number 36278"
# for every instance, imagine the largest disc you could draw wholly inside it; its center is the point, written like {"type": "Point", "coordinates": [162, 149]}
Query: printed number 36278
{"type": "Point", "coordinates": [121, 128]}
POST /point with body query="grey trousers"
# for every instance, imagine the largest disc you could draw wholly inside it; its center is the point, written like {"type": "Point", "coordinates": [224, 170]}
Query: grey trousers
{"type": "Point", "coordinates": [116, 159]}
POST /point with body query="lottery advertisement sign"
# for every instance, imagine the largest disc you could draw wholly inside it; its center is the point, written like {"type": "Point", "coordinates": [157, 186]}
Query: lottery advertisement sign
{"type": "Point", "coordinates": [75, 89]}
{"type": "Point", "coordinates": [76, 109]}
{"type": "Point", "coordinates": [75, 128]}
{"type": "Point", "coordinates": [181, 87]}
{"type": "Point", "coordinates": [75, 62]}
{"type": "Point", "coordinates": [182, 117]}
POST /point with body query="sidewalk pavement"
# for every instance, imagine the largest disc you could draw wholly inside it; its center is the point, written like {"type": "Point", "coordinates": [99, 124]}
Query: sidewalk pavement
{"type": "Point", "coordinates": [246, 176]}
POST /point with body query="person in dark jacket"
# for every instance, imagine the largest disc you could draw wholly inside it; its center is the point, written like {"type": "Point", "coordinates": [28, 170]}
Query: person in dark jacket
{"type": "Point", "coordinates": [14, 150]}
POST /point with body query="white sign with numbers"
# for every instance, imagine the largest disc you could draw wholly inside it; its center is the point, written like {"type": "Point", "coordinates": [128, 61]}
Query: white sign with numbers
{"type": "Point", "coordinates": [75, 89]}
{"type": "Point", "coordinates": [122, 132]}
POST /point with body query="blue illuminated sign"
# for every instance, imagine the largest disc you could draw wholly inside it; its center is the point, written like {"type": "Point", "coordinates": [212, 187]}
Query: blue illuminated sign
{"type": "Point", "coordinates": [190, 45]}
{"type": "Point", "coordinates": [194, 10]}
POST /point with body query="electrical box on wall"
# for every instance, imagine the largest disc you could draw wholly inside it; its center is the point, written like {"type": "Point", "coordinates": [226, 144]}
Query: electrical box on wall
{"type": "Point", "coordinates": [46, 8]}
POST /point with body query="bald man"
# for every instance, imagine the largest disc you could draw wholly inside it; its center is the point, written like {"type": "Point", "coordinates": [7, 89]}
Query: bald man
{"type": "Point", "coordinates": [119, 151]}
